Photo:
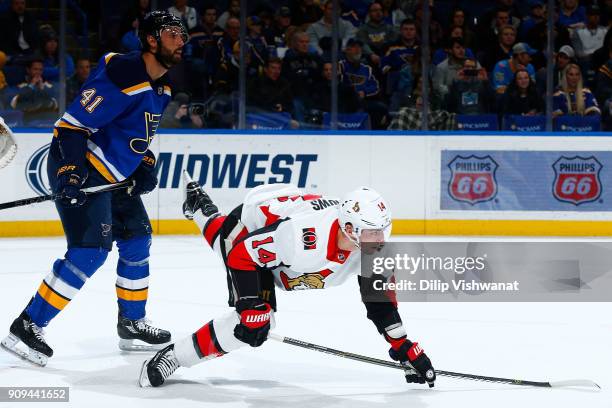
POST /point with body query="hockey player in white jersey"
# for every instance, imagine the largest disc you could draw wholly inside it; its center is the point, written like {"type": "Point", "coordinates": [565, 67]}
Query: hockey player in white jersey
{"type": "Point", "coordinates": [280, 237]}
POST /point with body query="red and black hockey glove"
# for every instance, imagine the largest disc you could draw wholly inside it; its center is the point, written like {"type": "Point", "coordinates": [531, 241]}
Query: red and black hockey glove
{"type": "Point", "coordinates": [255, 316]}
{"type": "Point", "coordinates": [70, 178]}
{"type": "Point", "coordinates": [144, 177]}
{"type": "Point", "coordinates": [413, 356]}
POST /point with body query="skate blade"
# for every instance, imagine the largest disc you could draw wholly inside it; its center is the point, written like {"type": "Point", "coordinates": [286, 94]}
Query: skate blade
{"type": "Point", "coordinates": [139, 345]}
{"type": "Point", "coordinates": [13, 345]}
{"type": "Point", "coordinates": [143, 381]}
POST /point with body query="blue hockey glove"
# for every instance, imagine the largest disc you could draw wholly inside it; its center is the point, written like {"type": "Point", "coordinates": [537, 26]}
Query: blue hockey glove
{"type": "Point", "coordinates": [70, 178]}
{"type": "Point", "coordinates": [144, 177]}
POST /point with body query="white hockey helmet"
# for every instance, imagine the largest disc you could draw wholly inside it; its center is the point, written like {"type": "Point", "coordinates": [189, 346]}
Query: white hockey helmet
{"type": "Point", "coordinates": [367, 213]}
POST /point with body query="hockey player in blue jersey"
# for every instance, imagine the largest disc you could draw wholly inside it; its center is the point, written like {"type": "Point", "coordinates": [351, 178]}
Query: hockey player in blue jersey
{"type": "Point", "coordinates": [104, 137]}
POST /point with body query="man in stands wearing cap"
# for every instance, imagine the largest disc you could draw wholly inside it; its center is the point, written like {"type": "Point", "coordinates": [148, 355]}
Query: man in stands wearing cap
{"type": "Point", "coordinates": [361, 77]}
{"type": "Point", "coordinates": [588, 39]}
{"type": "Point", "coordinates": [504, 70]}
{"type": "Point", "coordinates": [256, 42]}
{"type": "Point", "coordinates": [276, 34]}
{"type": "Point", "coordinates": [565, 55]}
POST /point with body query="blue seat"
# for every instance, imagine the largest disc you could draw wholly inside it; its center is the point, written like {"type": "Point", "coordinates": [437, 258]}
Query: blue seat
{"type": "Point", "coordinates": [570, 123]}
{"type": "Point", "coordinates": [349, 121]}
{"type": "Point", "coordinates": [522, 123]}
{"type": "Point", "coordinates": [477, 122]}
{"type": "Point", "coordinates": [268, 121]}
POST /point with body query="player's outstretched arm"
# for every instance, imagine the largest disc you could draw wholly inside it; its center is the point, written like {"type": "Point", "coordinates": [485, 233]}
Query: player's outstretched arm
{"type": "Point", "coordinates": [383, 313]}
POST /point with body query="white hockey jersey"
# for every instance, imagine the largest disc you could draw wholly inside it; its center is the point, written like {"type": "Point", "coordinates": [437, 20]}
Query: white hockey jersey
{"type": "Point", "coordinates": [301, 252]}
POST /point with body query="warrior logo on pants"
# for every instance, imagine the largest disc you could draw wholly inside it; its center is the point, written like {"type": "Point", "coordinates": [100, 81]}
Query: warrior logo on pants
{"type": "Point", "coordinates": [577, 179]}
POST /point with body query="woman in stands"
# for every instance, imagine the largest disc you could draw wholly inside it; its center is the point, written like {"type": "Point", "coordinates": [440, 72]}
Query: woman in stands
{"type": "Point", "coordinates": [521, 96]}
{"type": "Point", "coordinates": [572, 98]}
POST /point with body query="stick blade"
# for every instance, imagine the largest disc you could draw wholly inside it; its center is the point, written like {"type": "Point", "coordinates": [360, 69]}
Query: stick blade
{"type": "Point", "coordinates": [574, 383]}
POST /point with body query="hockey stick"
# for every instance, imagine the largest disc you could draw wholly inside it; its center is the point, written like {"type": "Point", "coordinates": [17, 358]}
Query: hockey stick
{"type": "Point", "coordinates": [53, 197]}
{"type": "Point", "coordinates": [463, 376]}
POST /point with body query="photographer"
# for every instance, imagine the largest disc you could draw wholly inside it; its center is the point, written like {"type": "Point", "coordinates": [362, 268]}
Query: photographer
{"type": "Point", "coordinates": [470, 93]}
{"type": "Point", "coordinates": [181, 114]}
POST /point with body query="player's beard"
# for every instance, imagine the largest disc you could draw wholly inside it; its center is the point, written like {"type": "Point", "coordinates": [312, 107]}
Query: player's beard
{"type": "Point", "coordinates": [169, 58]}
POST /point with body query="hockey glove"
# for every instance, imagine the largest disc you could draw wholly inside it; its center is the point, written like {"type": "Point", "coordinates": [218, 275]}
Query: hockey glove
{"type": "Point", "coordinates": [255, 315]}
{"type": "Point", "coordinates": [144, 177]}
{"type": "Point", "coordinates": [70, 178]}
{"type": "Point", "coordinates": [412, 355]}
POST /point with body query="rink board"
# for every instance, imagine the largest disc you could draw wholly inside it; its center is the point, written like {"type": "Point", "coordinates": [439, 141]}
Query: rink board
{"type": "Point", "coordinates": [436, 184]}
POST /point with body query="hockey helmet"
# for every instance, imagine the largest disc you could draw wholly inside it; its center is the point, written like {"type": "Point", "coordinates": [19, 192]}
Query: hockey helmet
{"type": "Point", "coordinates": [157, 21]}
{"type": "Point", "coordinates": [368, 215]}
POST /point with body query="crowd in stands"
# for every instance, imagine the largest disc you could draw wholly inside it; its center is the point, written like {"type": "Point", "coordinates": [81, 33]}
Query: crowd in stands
{"type": "Point", "coordinates": [485, 58]}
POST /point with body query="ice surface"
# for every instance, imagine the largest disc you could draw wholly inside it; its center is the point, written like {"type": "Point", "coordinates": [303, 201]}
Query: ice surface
{"type": "Point", "coordinates": [542, 342]}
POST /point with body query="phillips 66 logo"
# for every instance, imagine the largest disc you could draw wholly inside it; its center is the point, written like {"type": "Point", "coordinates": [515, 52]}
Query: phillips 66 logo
{"type": "Point", "coordinates": [472, 179]}
{"type": "Point", "coordinates": [577, 179]}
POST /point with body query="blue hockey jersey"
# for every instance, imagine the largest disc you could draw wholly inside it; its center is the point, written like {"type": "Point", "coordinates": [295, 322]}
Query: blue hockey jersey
{"type": "Point", "coordinates": [119, 109]}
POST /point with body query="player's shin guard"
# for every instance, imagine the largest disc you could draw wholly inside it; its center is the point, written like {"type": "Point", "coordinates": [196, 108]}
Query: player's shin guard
{"type": "Point", "coordinates": [62, 284]}
{"type": "Point", "coordinates": [133, 276]}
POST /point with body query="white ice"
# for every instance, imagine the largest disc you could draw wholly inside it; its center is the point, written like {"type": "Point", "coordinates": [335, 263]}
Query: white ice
{"type": "Point", "coordinates": [533, 341]}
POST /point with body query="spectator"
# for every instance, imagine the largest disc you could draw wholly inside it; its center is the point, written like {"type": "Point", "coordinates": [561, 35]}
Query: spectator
{"type": "Point", "coordinates": [402, 52]}
{"type": "Point", "coordinates": [348, 100]}
{"type": "Point", "coordinates": [604, 90]}
{"type": "Point", "coordinates": [470, 93]}
{"type": "Point", "coordinates": [501, 51]}
{"type": "Point", "coordinates": [361, 77]}
{"type": "Point", "coordinates": [572, 14]}
{"type": "Point", "coordinates": [135, 16]}
{"type": "Point", "coordinates": [3, 83]}
{"type": "Point", "coordinates": [36, 96]}
{"type": "Point", "coordinates": [233, 11]}
{"type": "Point", "coordinates": [305, 12]}
{"type": "Point", "coordinates": [180, 114]}
{"type": "Point", "coordinates": [276, 35]}
{"type": "Point", "coordinates": [256, 42]}
{"type": "Point", "coordinates": [504, 70]}
{"type": "Point", "coordinates": [572, 98]}
{"type": "Point", "coordinates": [225, 44]}
{"type": "Point", "coordinates": [458, 19]}
{"type": "Point", "coordinates": [563, 57]}
{"type": "Point", "coordinates": [189, 15]}
{"type": "Point", "coordinates": [538, 15]}
{"type": "Point", "coordinates": [490, 34]}
{"type": "Point", "coordinates": [201, 53]}
{"type": "Point", "coordinates": [375, 34]}
{"type": "Point", "coordinates": [18, 30]}
{"type": "Point", "coordinates": [303, 71]}
{"type": "Point", "coordinates": [600, 57]}
{"type": "Point", "coordinates": [442, 53]}
{"type": "Point", "coordinates": [392, 13]}
{"type": "Point", "coordinates": [447, 71]}
{"type": "Point", "coordinates": [270, 92]}
{"type": "Point", "coordinates": [588, 39]}
{"type": "Point", "coordinates": [537, 38]}
{"type": "Point", "coordinates": [322, 28]}
{"type": "Point", "coordinates": [75, 82]}
{"type": "Point", "coordinates": [50, 54]}
{"type": "Point", "coordinates": [436, 33]}
{"type": "Point", "coordinates": [521, 96]}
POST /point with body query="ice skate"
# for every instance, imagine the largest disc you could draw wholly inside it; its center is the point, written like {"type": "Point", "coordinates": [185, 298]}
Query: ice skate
{"type": "Point", "coordinates": [156, 370]}
{"type": "Point", "coordinates": [26, 340]}
{"type": "Point", "coordinates": [139, 335]}
{"type": "Point", "coordinates": [196, 199]}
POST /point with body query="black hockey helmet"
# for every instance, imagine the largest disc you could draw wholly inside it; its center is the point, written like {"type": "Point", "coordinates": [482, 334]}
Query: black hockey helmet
{"type": "Point", "coordinates": [157, 21]}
